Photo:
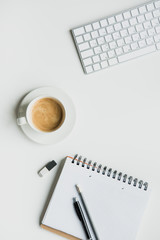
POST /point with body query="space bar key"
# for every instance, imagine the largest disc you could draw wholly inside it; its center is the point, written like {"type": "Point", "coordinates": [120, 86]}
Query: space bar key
{"type": "Point", "coordinates": [137, 53]}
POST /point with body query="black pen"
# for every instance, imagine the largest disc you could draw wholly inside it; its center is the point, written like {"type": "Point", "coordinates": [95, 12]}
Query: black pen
{"type": "Point", "coordinates": [86, 210]}
{"type": "Point", "coordinates": [80, 214]}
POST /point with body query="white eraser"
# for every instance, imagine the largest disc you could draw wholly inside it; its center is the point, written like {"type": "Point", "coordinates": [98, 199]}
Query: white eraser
{"type": "Point", "coordinates": [47, 168]}
{"type": "Point", "coordinates": [43, 172]}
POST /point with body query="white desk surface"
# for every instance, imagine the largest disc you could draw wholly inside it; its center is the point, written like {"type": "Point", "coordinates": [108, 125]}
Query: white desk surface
{"type": "Point", "coordinates": [118, 110]}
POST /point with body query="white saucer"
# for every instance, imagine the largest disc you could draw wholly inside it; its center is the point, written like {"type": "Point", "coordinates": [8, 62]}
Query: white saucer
{"type": "Point", "coordinates": [64, 130]}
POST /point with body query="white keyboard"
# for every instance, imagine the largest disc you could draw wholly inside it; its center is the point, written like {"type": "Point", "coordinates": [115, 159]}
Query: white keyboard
{"type": "Point", "coordinates": [119, 38]}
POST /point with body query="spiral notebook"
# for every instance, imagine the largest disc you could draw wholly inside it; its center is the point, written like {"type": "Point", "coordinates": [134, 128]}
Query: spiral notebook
{"type": "Point", "coordinates": [116, 201]}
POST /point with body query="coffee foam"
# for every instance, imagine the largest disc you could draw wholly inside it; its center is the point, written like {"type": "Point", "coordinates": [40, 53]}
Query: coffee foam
{"type": "Point", "coordinates": [47, 114]}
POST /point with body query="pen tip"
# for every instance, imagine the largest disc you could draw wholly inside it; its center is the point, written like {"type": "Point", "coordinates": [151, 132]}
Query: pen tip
{"type": "Point", "coordinates": [78, 188]}
{"type": "Point", "coordinates": [74, 199]}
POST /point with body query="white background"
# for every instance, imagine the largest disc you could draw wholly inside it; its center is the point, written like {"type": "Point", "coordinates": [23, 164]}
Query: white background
{"type": "Point", "coordinates": [118, 110]}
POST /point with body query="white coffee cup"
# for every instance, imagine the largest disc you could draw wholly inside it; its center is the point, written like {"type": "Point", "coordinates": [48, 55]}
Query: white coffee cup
{"type": "Point", "coordinates": [27, 118]}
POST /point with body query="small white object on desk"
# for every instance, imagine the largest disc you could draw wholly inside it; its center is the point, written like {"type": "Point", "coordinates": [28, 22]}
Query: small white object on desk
{"type": "Point", "coordinates": [47, 168]}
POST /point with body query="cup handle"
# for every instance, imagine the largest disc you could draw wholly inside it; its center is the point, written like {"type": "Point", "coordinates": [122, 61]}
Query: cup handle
{"type": "Point", "coordinates": [21, 121]}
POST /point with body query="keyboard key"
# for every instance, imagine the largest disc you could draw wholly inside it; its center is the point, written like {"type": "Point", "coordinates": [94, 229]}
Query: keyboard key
{"type": "Point", "coordinates": [87, 37]}
{"type": "Point", "coordinates": [105, 47]}
{"type": "Point", "coordinates": [116, 35]}
{"type": "Point", "coordinates": [102, 32]}
{"type": "Point", "coordinates": [87, 61]}
{"type": "Point", "coordinates": [136, 37]}
{"type": "Point", "coordinates": [96, 59]}
{"type": "Point", "coordinates": [126, 48]}
{"type": "Point", "coordinates": [144, 34]}
{"type": "Point", "coordinates": [112, 45]}
{"type": "Point", "coordinates": [88, 28]}
{"type": "Point", "coordinates": [110, 29]}
{"type": "Point", "coordinates": [111, 53]}
{"type": "Point", "coordinates": [104, 64]}
{"type": "Point", "coordinates": [119, 18]}
{"type": "Point", "coordinates": [157, 4]}
{"type": "Point", "coordinates": [120, 42]}
{"type": "Point", "coordinates": [133, 21]}
{"type": "Point", "coordinates": [103, 23]}
{"type": "Point", "coordinates": [151, 32]}
{"type": "Point", "coordinates": [96, 25]}
{"type": "Point", "coordinates": [108, 38]}
{"type": "Point", "coordinates": [134, 12]}
{"type": "Point", "coordinates": [89, 69]}
{"type": "Point", "coordinates": [117, 26]}
{"type": "Point", "coordinates": [87, 53]}
{"type": "Point", "coordinates": [134, 46]}
{"type": "Point", "coordinates": [96, 67]}
{"type": "Point", "coordinates": [119, 51]}
{"type": "Point", "coordinates": [93, 43]}
{"type": "Point", "coordinates": [155, 22]}
{"type": "Point", "coordinates": [128, 39]}
{"type": "Point", "coordinates": [149, 16]}
{"type": "Point", "coordinates": [131, 30]}
{"type": "Point", "coordinates": [100, 40]}
{"type": "Point", "coordinates": [150, 7]}
{"type": "Point", "coordinates": [139, 27]}
{"type": "Point", "coordinates": [150, 41]}
{"type": "Point", "coordinates": [142, 9]}
{"type": "Point", "coordinates": [112, 61]}
{"type": "Point", "coordinates": [97, 50]}
{"type": "Point", "coordinates": [158, 46]}
{"type": "Point", "coordinates": [142, 43]}
{"type": "Point", "coordinates": [157, 29]}
{"type": "Point", "coordinates": [136, 53]}
{"type": "Point", "coordinates": [79, 39]}
{"type": "Point", "coordinates": [127, 15]}
{"type": "Point", "coordinates": [103, 56]}
{"type": "Point", "coordinates": [94, 34]}
{"type": "Point", "coordinates": [79, 31]}
{"type": "Point", "coordinates": [140, 18]}
{"type": "Point", "coordinates": [156, 13]}
{"type": "Point", "coordinates": [125, 24]}
{"type": "Point", "coordinates": [157, 38]}
{"type": "Point", "coordinates": [84, 46]}
{"type": "Point", "coordinates": [111, 20]}
{"type": "Point", "coordinates": [124, 33]}
{"type": "Point", "coordinates": [147, 25]}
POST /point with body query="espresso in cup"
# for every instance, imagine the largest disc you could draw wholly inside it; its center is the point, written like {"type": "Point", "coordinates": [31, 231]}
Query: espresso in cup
{"type": "Point", "coordinates": [47, 114]}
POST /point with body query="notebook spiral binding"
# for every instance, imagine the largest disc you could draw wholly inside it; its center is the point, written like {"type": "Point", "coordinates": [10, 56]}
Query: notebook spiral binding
{"type": "Point", "coordinates": [109, 172]}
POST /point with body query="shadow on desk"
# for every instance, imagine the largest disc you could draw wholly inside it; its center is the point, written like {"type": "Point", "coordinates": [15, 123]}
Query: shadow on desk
{"type": "Point", "coordinates": [52, 189]}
